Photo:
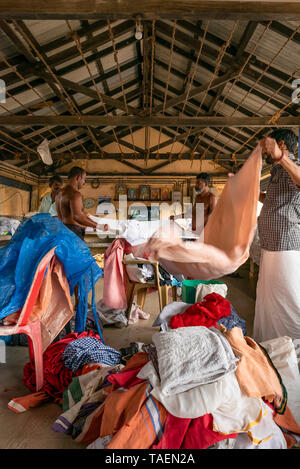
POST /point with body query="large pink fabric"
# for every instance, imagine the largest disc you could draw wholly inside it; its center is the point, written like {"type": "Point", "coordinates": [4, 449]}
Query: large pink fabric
{"type": "Point", "coordinates": [227, 234]}
{"type": "Point", "coordinates": [114, 291]}
{"type": "Point", "coordinates": [115, 276]}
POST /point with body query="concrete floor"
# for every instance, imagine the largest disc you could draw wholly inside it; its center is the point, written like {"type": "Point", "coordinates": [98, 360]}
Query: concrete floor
{"type": "Point", "coordinates": [32, 429]}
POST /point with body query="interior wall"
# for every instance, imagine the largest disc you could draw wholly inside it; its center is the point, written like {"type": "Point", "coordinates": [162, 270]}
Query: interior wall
{"type": "Point", "coordinates": [13, 201]}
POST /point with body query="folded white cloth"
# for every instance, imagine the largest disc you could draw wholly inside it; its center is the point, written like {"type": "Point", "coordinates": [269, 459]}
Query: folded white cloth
{"type": "Point", "coordinates": [197, 401]}
{"type": "Point", "coordinates": [191, 356]}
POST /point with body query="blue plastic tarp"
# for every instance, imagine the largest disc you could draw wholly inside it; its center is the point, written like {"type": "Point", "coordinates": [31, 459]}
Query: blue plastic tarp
{"type": "Point", "coordinates": [31, 242]}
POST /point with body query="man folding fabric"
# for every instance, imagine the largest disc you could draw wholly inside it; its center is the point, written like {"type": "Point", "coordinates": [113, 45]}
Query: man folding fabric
{"type": "Point", "coordinates": [70, 204]}
{"type": "Point", "coordinates": [277, 309]}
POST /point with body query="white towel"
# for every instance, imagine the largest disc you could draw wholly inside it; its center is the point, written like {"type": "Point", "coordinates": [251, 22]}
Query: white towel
{"type": "Point", "coordinates": [191, 356]}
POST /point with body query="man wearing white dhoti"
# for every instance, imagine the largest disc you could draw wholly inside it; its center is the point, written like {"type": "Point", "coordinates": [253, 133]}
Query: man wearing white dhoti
{"type": "Point", "coordinates": [277, 309]}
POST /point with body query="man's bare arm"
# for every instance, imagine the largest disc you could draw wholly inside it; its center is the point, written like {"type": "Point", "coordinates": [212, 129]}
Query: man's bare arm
{"type": "Point", "coordinates": [270, 147]}
{"type": "Point", "coordinates": [57, 204]}
{"type": "Point", "coordinates": [212, 203]}
{"type": "Point", "coordinates": [77, 213]}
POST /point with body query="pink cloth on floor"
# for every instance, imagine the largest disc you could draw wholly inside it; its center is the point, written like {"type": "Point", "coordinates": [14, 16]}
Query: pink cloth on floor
{"type": "Point", "coordinates": [227, 234]}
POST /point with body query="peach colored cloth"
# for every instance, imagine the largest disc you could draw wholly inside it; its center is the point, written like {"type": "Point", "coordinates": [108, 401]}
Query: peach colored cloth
{"type": "Point", "coordinates": [227, 234]}
{"type": "Point", "coordinates": [53, 306]}
{"type": "Point", "coordinates": [254, 373]}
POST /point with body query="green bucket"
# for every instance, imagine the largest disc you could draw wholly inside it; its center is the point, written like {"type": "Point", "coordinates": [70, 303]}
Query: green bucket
{"type": "Point", "coordinates": [189, 289]}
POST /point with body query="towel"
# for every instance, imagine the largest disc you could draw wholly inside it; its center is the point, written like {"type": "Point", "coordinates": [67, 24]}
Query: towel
{"type": "Point", "coordinates": [191, 356]}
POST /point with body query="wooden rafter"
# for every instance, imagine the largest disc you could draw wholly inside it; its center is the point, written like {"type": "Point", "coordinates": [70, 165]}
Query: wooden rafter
{"type": "Point", "coordinates": [150, 9]}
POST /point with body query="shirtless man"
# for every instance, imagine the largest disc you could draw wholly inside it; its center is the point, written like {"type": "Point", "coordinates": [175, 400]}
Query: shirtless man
{"type": "Point", "coordinates": [69, 204]}
{"type": "Point", "coordinates": [203, 196]}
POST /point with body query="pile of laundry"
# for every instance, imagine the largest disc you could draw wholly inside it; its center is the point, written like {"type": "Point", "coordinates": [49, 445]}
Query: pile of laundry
{"type": "Point", "coordinates": [71, 356]}
{"type": "Point", "coordinates": [194, 387]}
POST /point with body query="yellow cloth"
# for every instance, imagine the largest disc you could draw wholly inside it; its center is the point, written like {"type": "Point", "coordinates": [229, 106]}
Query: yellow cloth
{"type": "Point", "coordinates": [100, 260]}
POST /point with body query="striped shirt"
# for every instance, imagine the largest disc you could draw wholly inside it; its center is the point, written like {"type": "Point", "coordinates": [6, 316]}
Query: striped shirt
{"type": "Point", "coordinates": [279, 220]}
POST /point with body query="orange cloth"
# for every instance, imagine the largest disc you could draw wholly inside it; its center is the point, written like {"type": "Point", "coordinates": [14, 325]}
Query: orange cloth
{"type": "Point", "coordinates": [53, 305]}
{"type": "Point", "coordinates": [227, 234]}
{"type": "Point", "coordinates": [133, 418]}
{"type": "Point", "coordinates": [138, 360]}
{"type": "Point", "coordinates": [255, 375]}
{"type": "Point", "coordinates": [21, 404]}
{"type": "Point", "coordinates": [287, 421]}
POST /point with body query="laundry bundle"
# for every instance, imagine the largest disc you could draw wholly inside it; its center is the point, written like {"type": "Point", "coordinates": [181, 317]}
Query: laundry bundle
{"type": "Point", "coordinates": [193, 387]}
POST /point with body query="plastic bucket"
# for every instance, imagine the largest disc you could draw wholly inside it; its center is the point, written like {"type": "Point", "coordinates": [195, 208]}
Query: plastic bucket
{"type": "Point", "coordinates": [189, 289]}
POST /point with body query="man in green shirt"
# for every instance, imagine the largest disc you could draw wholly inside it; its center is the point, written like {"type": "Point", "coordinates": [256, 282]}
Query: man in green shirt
{"type": "Point", "coordinates": [48, 204]}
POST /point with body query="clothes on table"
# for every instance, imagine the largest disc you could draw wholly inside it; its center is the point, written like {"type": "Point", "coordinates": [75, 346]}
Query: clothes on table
{"type": "Point", "coordinates": [190, 356]}
{"type": "Point", "coordinates": [277, 307]}
{"type": "Point", "coordinates": [138, 232]}
{"type": "Point", "coordinates": [84, 350]}
{"type": "Point", "coordinates": [207, 313]}
{"type": "Point", "coordinates": [256, 375]}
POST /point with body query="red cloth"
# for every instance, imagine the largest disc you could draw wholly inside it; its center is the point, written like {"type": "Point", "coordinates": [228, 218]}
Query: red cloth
{"type": "Point", "coordinates": [127, 378]}
{"type": "Point", "coordinates": [56, 376]}
{"type": "Point", "coordinates": [207, 313]}
{"type": "Point", "coordinates": [190, 433]}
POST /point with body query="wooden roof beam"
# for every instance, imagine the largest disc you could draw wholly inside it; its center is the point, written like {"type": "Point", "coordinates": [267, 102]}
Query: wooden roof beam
{"type": "Point", "coordinates": [151, 9]}
{"type": "Point", "coordinates": [172, 121]}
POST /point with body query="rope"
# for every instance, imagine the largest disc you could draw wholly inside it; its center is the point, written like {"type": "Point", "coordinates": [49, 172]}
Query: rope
{"type": "Point", "coordinates": [168, 79]}
{"type": "Point", "coordinates": [234, 82]}
{"type": "Point", "coordinates": [216, 71]}
{"type": "Point", "coordinates": [68, 102]}
{"type": "Point", "coordinates": [121, 80]}
{"type": "Point", "coordinates": [274, 118]}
